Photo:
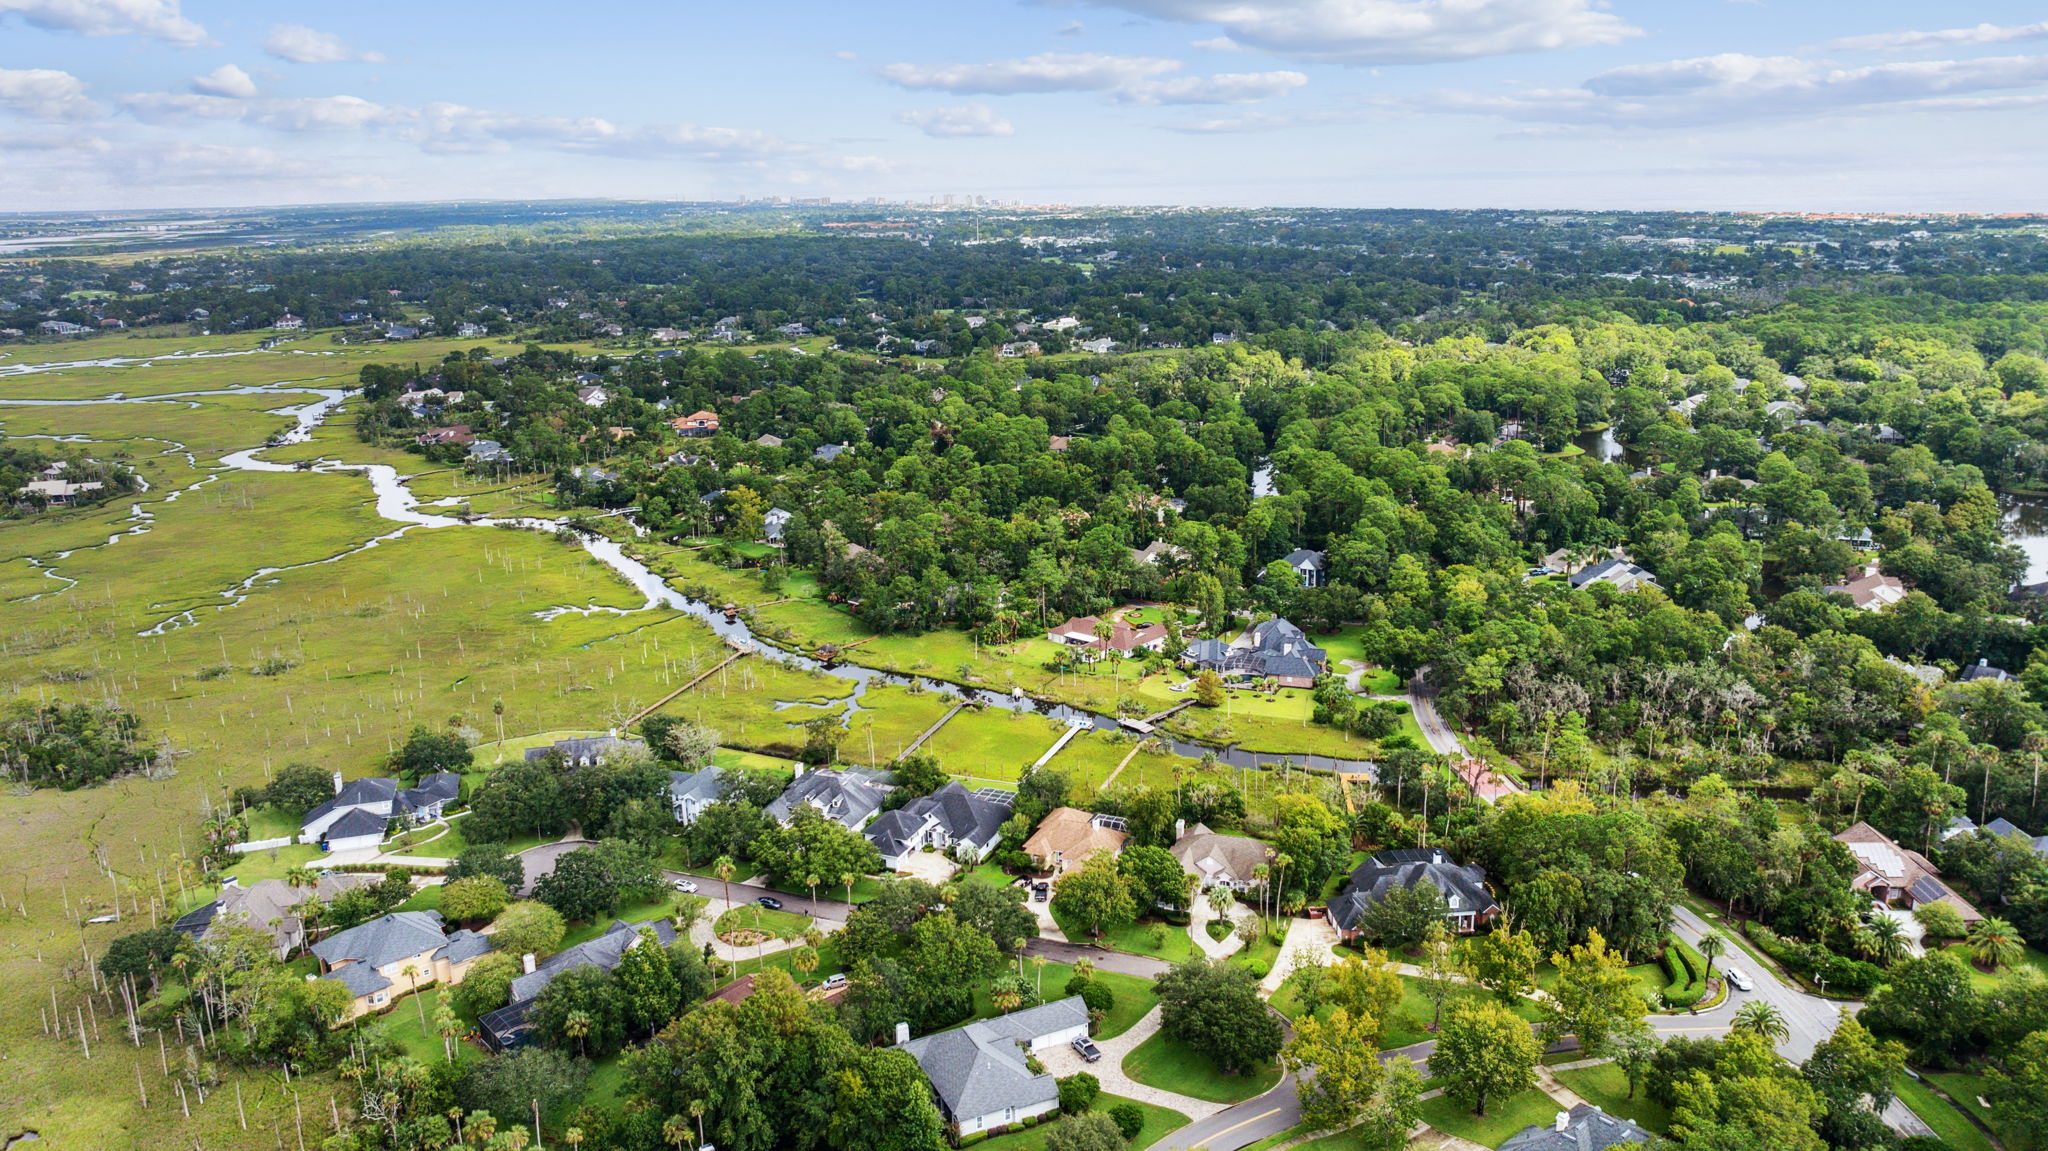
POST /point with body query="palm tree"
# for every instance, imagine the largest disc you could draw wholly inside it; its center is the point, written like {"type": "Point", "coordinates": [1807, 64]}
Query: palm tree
{"type": "Point", "coordinates": [1038, 971]}
{"type": "Point", "coordinates": [1281, 863]}
{"type": "Point", "coordinates": [805, 961]}
{"type": "Point", "coordinates": [1084, 967]}
{"type": "Point", "coordinates": [412, 972]}
{"type": "Point", "coordinates": [577, 1026]}
{"type": "Point", "coordinates": [1764, 1019]}
{"type": "Point", "coordinates": [298, 877]}
{"type": "Point", "coordinates": [1259, 873]}
{"type": "Point", "coordinates": [1005, 999]}
{"type": "Point", "coordinates": [848, 880]}
{"type": "Point", "coordinates": [573, 1137]}
{"type": "Point", "coordinates": [811, 881]}
{"type": "Point", "coordinates": [1712, 947]}
{"type": "Point", "coordinates": [1891, 939]}
{"type": "Point", "coordinates": [1994, 943]}
{"type": "Point", "coordinates": [724, 868]}
{"type": "Point", "coordinates": [483, 1126]}
{"type": "Point", "coordinates": [449, 1026]}
{"type": "Point", "coordinates": [697, 1113]}
{"type": "Point", "coordinates": [675, 1130]}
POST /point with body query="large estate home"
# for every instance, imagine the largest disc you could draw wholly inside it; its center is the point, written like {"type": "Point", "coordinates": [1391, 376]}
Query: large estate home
{"type": "Point", "coordinates": [1273, 649]}
{"type": "Point", "coordinates": [1067, 836]}
{"type": "Point", "coordinates": [849, 798]}
{"type": "Point", "coordinates": [394, 955]}
{"type": "Point", "coordinates": [967, 823]}
{"type": "Point", "coordinates": [979, 1072]}
{"type": "Point", "coordinates": [1470, 905]}
{"type": "Point", "coordinates": [1898, 876]}
{"type": "Point", "coordinates": [1218, 860]}
{"type": "Point", "coordinates": [508, 1027]}
{"type": "Point", "coordinates": [361, 809]}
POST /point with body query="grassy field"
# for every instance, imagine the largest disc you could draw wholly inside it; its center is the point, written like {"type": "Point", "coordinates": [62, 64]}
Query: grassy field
{"type": "Point", "coordinates": [1173, 1066]}
{"type": "Point", "coordinates": [1503, 1117]}
{"type": "Point", "coordinates": [426, 627]}
{"type": "Point", "coordinates": [780, 924]}
{"type": "Point", "coordinates": [1171, 943]}
{"type": "Point", "coordinates": [1159, 1122]}
{"type": "Point", "coordinates": [1949, 1125]}
{"type": "Point", "coordinates": [991, 743]}
{"type": "Point", "coordinates": [1964, 1087]}
{"type": "Point", "coordinates": [1607, 1088]}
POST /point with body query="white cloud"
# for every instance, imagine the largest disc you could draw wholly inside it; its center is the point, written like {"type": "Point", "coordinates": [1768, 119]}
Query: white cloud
{"type": "Point", "coordinates": [1222, 88]}
{"type": "Point", "coordinates": [1944, 38]}
{"type": "Point", "coordinates": [1395, 31]}
{"type": "Point", "coordinates": [226, 80]}
{"type": "Point", "coordinates": [302, 45]}
{"type": "Point", "coordinates": [1073, 28]}
{"type": "Point", "coordinates": [952, 123]}
{"type": "Point", "coordinates": [157, 19]}
{"type": "Point", "coordinates": [1716, 90]}
{"type": "Point", "coordinates": [45, 94]}
{"type": "Point", "coordinates": [1045, 72]}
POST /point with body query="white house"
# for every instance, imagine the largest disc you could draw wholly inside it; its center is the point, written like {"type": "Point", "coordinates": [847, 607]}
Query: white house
{"type": "Point", "coordinates": [594, 395]}
{"type": "Point", "coordinates": [692, 792]}
{"type": "Point", "coordinates": [952, 818]}
{"type": "Point", "coordinates": [978, 1071]}
{"type": "Point", "coordinates": [1310, 566]}
{"type": "Point", "coordinates": [357, 815]}
{"type": "Point", "coordinates": [845, 797]}
{"type": "Point", "coordinates": [773, 522]}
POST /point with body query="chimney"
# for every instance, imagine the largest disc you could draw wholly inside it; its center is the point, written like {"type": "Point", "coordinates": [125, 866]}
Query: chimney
{"type": "Point", "coordinates": [526, 961]}
{"type": "Point", "coordinates": [1564, 1120]}
{"type": "Point", "coordinates": [902, 1034]}
{"type": "Point", "coordinates": [337, 782]}
{"type": "Point", "coordinates": [1180, 830]}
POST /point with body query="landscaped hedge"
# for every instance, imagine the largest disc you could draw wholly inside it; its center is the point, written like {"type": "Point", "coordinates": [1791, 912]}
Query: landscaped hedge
{"type": "Point", "coordinates": [1839, 974]}
{"type": "Point", "coordinates": [1686, 969]}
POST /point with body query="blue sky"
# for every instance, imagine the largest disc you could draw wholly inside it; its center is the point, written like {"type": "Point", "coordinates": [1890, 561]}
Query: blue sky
{"type": "Point", "coordinates": [1708, 104]}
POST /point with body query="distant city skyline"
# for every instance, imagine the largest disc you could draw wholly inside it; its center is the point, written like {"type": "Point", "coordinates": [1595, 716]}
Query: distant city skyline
{"type": "Point", "coordinates": [1818, 106]}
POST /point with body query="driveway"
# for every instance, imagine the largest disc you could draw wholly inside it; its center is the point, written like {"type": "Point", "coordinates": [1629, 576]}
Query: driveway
{"type": "Point", "coordinates": [1435, 731]}
{"type": "Point", "coordinates": [1062, 1061]}
{"type": "Point", "coordinates": [1121, 962]}
{"type": "Point", "coordinates": [1304, 936]}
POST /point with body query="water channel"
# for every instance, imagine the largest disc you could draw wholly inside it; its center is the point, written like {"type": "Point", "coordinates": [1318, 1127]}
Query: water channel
{"type": "Point", "coordinates": [396, 502]}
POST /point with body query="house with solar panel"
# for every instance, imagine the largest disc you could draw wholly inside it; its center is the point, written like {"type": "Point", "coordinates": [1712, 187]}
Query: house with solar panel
{"type": "Point", "coordinates": [967, 823]}
{"type": "Point", "coordinates": [1898, 876]}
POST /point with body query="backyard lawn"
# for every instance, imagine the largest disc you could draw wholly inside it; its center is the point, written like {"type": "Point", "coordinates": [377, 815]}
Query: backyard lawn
{"type": "Point", "coordinates": [402, 1023]}
{"type": "Point", "coordinates": [1503, 1117]}
{"type": "Point", "coordinates": [1607, 1088]}
{"type": "Point", "coordinates": [1171, 1065]}
{"type": "Point", "coordinates": [1134, 997]}
{"type": "Point", "coordinates": [274, 862]}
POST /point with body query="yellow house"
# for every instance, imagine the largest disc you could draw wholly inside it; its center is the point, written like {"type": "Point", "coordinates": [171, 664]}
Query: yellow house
{"type": "Point", "coordinates": [391, 956]}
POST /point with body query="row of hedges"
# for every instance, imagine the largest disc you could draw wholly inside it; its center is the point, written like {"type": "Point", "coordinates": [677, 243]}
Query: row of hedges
{"type": "Point", "coordinates": [1840, 975]}
{"type": "Point", "coordinates": [1686, 970]}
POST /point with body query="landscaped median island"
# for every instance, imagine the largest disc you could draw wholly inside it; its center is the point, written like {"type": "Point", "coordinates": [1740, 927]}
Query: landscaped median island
{"type": "Point", "coordinates": [1172, 1065]}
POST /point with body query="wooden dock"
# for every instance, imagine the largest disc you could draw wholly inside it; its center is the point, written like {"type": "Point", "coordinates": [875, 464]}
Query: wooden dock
{"type": "Point", "coordinates": [738, 654]}
{"type": "Point", "coordinates": [932, 730]}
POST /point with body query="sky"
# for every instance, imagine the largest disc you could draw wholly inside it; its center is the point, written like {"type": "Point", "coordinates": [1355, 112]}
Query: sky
{"type": "Point", "coordinates": [1814, 105]}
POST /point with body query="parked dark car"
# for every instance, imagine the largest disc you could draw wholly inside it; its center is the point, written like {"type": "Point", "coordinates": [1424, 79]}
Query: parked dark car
{"type": "Point", "coordinates": [1087, 1048]}
{"type": "Point", "coordinates": [770, 902]}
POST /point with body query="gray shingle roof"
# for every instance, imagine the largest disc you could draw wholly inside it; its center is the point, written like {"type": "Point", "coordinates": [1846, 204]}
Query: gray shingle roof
{"type": "Point", "coordinates": [361, 821]}
{"type": "Point", "coordinates": [384, 939]}
{"type": "Point", "coordinates": [1586, 1129]}
{"type": "Point", "coordinates": [360, 978]}
{"type": "Point", "coordinates": [1463, 886]}
{"type": "Point", "coordinates": [440, 787]}
{"type": "Point", "coordinates": [704, 785]}
{"type": "Point", "coordinates": [1300, 556]}
{"type": "Point", "coordinates": [603, 952]}
{"type": "Point", "coordinates": [845, 797]}
{"type": "Point", "coordinates": [964, 815]}
{"type": "Point", "coordinates": [356, 793]}
{"type": "Point", "coordinates": [979, 1069]}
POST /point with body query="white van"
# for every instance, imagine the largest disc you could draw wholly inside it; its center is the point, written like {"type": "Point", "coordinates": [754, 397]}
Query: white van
{"type": "Point", "coordinates": [1737, 978]}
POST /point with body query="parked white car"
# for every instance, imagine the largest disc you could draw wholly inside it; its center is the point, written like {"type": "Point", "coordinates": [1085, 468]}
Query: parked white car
{"type": "Point", "coordinates": [1741, 981]}
{"type": "Point", "coordinates": [688, 886]}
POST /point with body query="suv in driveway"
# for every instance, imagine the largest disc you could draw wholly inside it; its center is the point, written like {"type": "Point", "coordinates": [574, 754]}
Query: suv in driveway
{"type": "Point", "coordinates": [1087, 1048]}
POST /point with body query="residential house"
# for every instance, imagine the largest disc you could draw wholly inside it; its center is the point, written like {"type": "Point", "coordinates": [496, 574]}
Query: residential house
{"type": "Point", "coordinates": [400, 332]}
{"type": "Point", "coordinates": [1898, 875]}
{"type": "Point", "coordinates": [1097, 347]}
{"type": "Point", "coordinates": [1869, 590]}
{"type": "Point", "coordinates": [589, 750]}
{"type": "Point", "coordinates": [969, 824]}
{"type": "Point", "coordinates": [826, 453]}
{"type": "Point", "coordinates": [690, 792]}
{"type": "Point", "coordinates": [61, 493]}
{"type": "Point", "coordinates": [768, 440]}
{"type": "Point", "coordinates": [1273, 648]}
{"type": "Point", "coordinates": [394, 955]}
{"type": "Point", "coordinates": [269, 905]}
{"type": "Point", "coordinates": [1982, 669]}
{"type": "Point", "coordinates": [1471, 905]}
{"type": "Point", "coordinates": [593, 395]}
{"type": "Point", "coordinates": [508, 1027]}
{"type": "Point", "coordinates": [453, 434]}
{"type": "Point", "coordinates": [1219, 860]}
{"type": "Point", "coordinates": [698, 423]}
{"type": "Point", "coordinates": [357, 815]}
{"type": "Point", "coordinates": [979, 1073]}
{"type": "Point", "coordinates": [848, 798]}
{"type": "Point", "coordinates": [1313, 569]}
{"type": "Point", "coordinates": [1058, 443]}
{"type": "Point", "coordinates": [1018, 349]}
{"type": "Point", "coordinates": [489, 452]}
{"type": "Point", "coordinates": [1123, 638]}
{"type": "Point", "coordinates": [1583, 1128]}
{"type": "Point", "coordinates": [1158, 550]}
{"type": "Point", "coordinates": [288, 323]}
{"type": "Point", "coordinates": [1621, 574]}
{"type": "Point", "coordinates": [670, 335]}
{"type": "Point", "coordinates": [774, 522]}
{"type": "Point", "coordinates": [1962, 825]}
{"type": "Point", "coordinates": [1067, 836]}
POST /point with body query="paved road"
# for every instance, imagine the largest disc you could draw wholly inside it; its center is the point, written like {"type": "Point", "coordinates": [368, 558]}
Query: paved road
{"type": "Point", "coordinates": [830, 912]}
{"type": "Point", "coordinates": [1435, 731]}
{"type": "Point", "coordinates": [1143, 966]}
{"type": "Point", "coordinates": [1810, 1019]}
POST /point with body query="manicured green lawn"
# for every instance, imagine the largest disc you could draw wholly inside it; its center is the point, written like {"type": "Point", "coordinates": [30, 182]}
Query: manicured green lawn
{"type": "Point", "coordinates": [434, 841]}
{"type": "Point", "coordinates": [752, 761]}
{"type": "Point", "coordinates": [1503, 1117]}
{"type": "Point", "coordinates": [1171, 944]}
{"type": "Point", "coordinates": [1965, 1087]}
{"type": "Point", "coordinates": [1173, 1066]}
{"type": "Point", "coordinates": [781, 924]}
{"type": "Point", "coordinates": [1982, 980]}
{"type": "Point", "coordinates": [402, 1023]}
{"type": "Point", "coordinates": [992, 743]}
{"type": "Point", "coordinates": [274, 862]}
{"type": "Point", "coordinates": [661, 906]}
{"type": "Point", "coordinates": [785, 960]}
{"type": "Point", "coordinates": [1953, 1129]}
{"type": "Point", "coordinates": [1159, 1121]}
{"type": "Point", "coordinates": [1607, 1088]}
{"type": "Point", "coordinates": [271, 823]}
{"type": "Point", "coordinates": [1134, 997]}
